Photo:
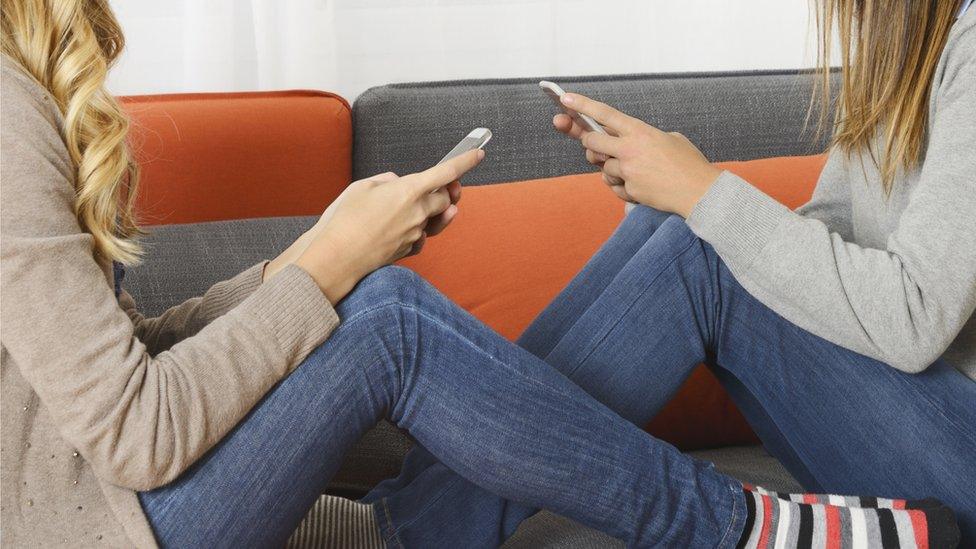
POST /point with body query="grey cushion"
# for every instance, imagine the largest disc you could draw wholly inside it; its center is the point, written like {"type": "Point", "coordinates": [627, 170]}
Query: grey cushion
{"type": "Point", "coordinates": [730, 116]}
{"type": "Point", "coordinates": [751, 464]}
{"type": "Point", "coordinates": [182, 261]}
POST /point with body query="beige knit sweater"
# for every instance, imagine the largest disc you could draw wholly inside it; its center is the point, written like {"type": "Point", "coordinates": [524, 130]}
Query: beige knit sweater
{"type": "Point", "coordinates": [98, 401]}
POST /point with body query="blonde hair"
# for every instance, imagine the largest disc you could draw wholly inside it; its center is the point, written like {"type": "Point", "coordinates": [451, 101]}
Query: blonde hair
{"type": "Point", "coordinates": [889, 52]}
{"type": "Point", "coordinates": [68, 46]}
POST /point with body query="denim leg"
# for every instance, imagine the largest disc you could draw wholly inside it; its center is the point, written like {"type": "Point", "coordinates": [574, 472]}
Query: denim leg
{"type": "Point", "coordinates": [565, 311]}
{"type": "Point", "coordinates": [462, 511]}
{"type": "Point", "coordinates": [839, 421]}
{"type": "Point", "coordinates": [845, 423]}
{"type": "Point", "coordinates": [652, 259]}
{"type": "Point", "coordinates": [842, 422]}
{"type": "Point", "coordinates": [489, 410]}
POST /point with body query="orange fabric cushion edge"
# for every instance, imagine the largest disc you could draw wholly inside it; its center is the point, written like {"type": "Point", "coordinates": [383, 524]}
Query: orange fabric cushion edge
{"type": "Point", "coordinates": [218, 156]}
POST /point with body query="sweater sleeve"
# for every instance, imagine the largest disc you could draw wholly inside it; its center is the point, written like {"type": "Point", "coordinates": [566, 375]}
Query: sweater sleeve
{"type": "Point", "coordinates": [186, 319]}
{"type": "Point", "coordinates": [831, 201]}
{"type": "Point", "coordinates": [138, 420]}
{"type": "Point", "coordinates": [902, 305]}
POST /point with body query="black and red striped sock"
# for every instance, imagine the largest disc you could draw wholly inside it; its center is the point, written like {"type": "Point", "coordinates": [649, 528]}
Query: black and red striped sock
{"type": "Point", "coordinates": [848, 501]}
{"type": "Point", "coordinates": [773, 522]}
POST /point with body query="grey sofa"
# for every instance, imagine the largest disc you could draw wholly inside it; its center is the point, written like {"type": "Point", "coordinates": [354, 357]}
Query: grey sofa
{"type": "Point", "coordinates": [407, 127]}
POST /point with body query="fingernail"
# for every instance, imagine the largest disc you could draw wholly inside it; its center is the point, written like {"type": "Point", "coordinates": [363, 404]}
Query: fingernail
{"type": "Point", "coordinates": [481, 154]}
{"type": "Point", "coordinates": [567, 99]}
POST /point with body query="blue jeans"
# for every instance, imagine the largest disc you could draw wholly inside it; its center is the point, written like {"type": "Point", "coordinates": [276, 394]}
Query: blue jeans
{"type": "Point", "coordinates": [656, 301]}
{"type": "Point", "coordinates": [489, 410]}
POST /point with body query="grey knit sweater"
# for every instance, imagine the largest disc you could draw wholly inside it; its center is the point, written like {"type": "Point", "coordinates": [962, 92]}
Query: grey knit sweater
{"type": "Point", "coordinates": [893, 278]}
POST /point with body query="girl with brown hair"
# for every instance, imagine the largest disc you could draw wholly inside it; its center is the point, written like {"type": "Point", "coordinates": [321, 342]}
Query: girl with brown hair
{"type": "Point", "coordinates": [844, 330]}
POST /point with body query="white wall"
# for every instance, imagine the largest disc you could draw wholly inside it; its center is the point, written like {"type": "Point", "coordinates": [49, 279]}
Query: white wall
{"type": "Point", "coordinates": [349, 45]}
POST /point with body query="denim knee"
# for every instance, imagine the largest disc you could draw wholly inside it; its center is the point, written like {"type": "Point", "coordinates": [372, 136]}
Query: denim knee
{"type": "Point", "coordinates": [703, 265]}
{"type": "Point", "coordinates": [647, 214]}
{"type": "Point", "coordinates": [673, 231]}
{"type": "Point", "coordinates": [389, 285]}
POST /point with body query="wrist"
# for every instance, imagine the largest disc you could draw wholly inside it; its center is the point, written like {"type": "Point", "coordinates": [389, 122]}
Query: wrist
{"type": "Point", "coordinates": [272, 268]}
{"type": "Point", "coordinates": [698, 190]}
{"type": "Point", "coordinates": [287, 257]}
{"type": "Point", "coordinates": [331, 270]}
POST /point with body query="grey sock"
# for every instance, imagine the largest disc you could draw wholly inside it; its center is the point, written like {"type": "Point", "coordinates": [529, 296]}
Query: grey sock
{"type": "Point", "coordinates": [338, 522]}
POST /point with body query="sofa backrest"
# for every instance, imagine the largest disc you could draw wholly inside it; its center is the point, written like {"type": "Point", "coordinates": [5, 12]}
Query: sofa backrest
{"type": "Point", "coordinates": [217, 156]}
{"type": "Point", "coordinates": [184, 260]}
{"type": "Point", "coordinates": [731, 116]}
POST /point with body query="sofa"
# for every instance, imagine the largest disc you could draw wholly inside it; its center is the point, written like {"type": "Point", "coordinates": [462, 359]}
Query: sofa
{"type": "Point", "coordinates": [230, 179]}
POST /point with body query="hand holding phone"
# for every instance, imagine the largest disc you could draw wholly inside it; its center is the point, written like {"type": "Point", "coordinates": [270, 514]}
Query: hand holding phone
{"type": "Point", "coordinates": [477, 139]}
{"type": "Point", "coordinates": [556, 93]}
{"type": "Point", "coordinates": [587, 123]}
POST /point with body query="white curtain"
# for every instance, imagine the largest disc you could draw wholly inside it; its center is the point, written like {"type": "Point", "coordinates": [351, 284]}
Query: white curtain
{"type": "Point", "coordinates": [349, 45]}
{"type": "Point", "coordinates": [225, 45]}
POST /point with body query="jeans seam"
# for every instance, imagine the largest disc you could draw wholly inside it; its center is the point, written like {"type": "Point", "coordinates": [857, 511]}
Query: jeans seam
{"type": "Point", "coordinates": [478, 349]}
{"type": "Point", "coordinates": [644, 236]}
{"type": "Point", "coordinates": [603, 338]}
{"type": "Point", "coordinates": [778, 427]}
{"type": "Point", "coordinates": [732, 521]}
{"type": "Point", "coordinates": [959, 425]}
{"type": "Point", "coordinates": [391, 534]}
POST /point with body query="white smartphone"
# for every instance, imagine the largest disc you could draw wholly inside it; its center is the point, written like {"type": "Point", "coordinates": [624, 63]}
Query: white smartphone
{"type": "Point", "coordinates": [477, 139]}
{"type": "Point", "coordinates": [556, 93]}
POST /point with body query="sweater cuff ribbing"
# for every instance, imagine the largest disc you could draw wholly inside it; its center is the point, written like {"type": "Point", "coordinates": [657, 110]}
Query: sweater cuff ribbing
{"type": "Point", "coordinates": [295, 310]}
{"type": "Point", "coordinates": [737, 219]}
{"type": "Point", "coordinates": [224, 296]}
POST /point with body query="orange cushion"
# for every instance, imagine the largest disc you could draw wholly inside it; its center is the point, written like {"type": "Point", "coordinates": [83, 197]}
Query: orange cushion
{"type": "Point", "coordinates": [514, 246]}
{"type": "Point", "coordinates": [789, 180]}
{"type": "Point", "coordinates": [216, 156]}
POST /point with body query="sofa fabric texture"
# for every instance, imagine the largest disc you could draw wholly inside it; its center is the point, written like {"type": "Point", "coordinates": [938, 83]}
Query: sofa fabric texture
{"type": "Point", "coordinates": [730, 116]}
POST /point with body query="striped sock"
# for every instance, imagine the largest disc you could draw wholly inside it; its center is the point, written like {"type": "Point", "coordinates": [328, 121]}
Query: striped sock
{"type": "Point", "coordinates": [775, 523]}
{"type": "Point", "coordinates": [337, 522]}
{"type": "Point", "coordinates": [849, 501]}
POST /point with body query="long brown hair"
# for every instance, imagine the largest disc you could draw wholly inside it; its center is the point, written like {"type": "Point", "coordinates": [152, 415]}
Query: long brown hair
{"type": "Point", "coordinates": [888, 53]}
{"type": "Point", "coordinates": [68, 46]}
